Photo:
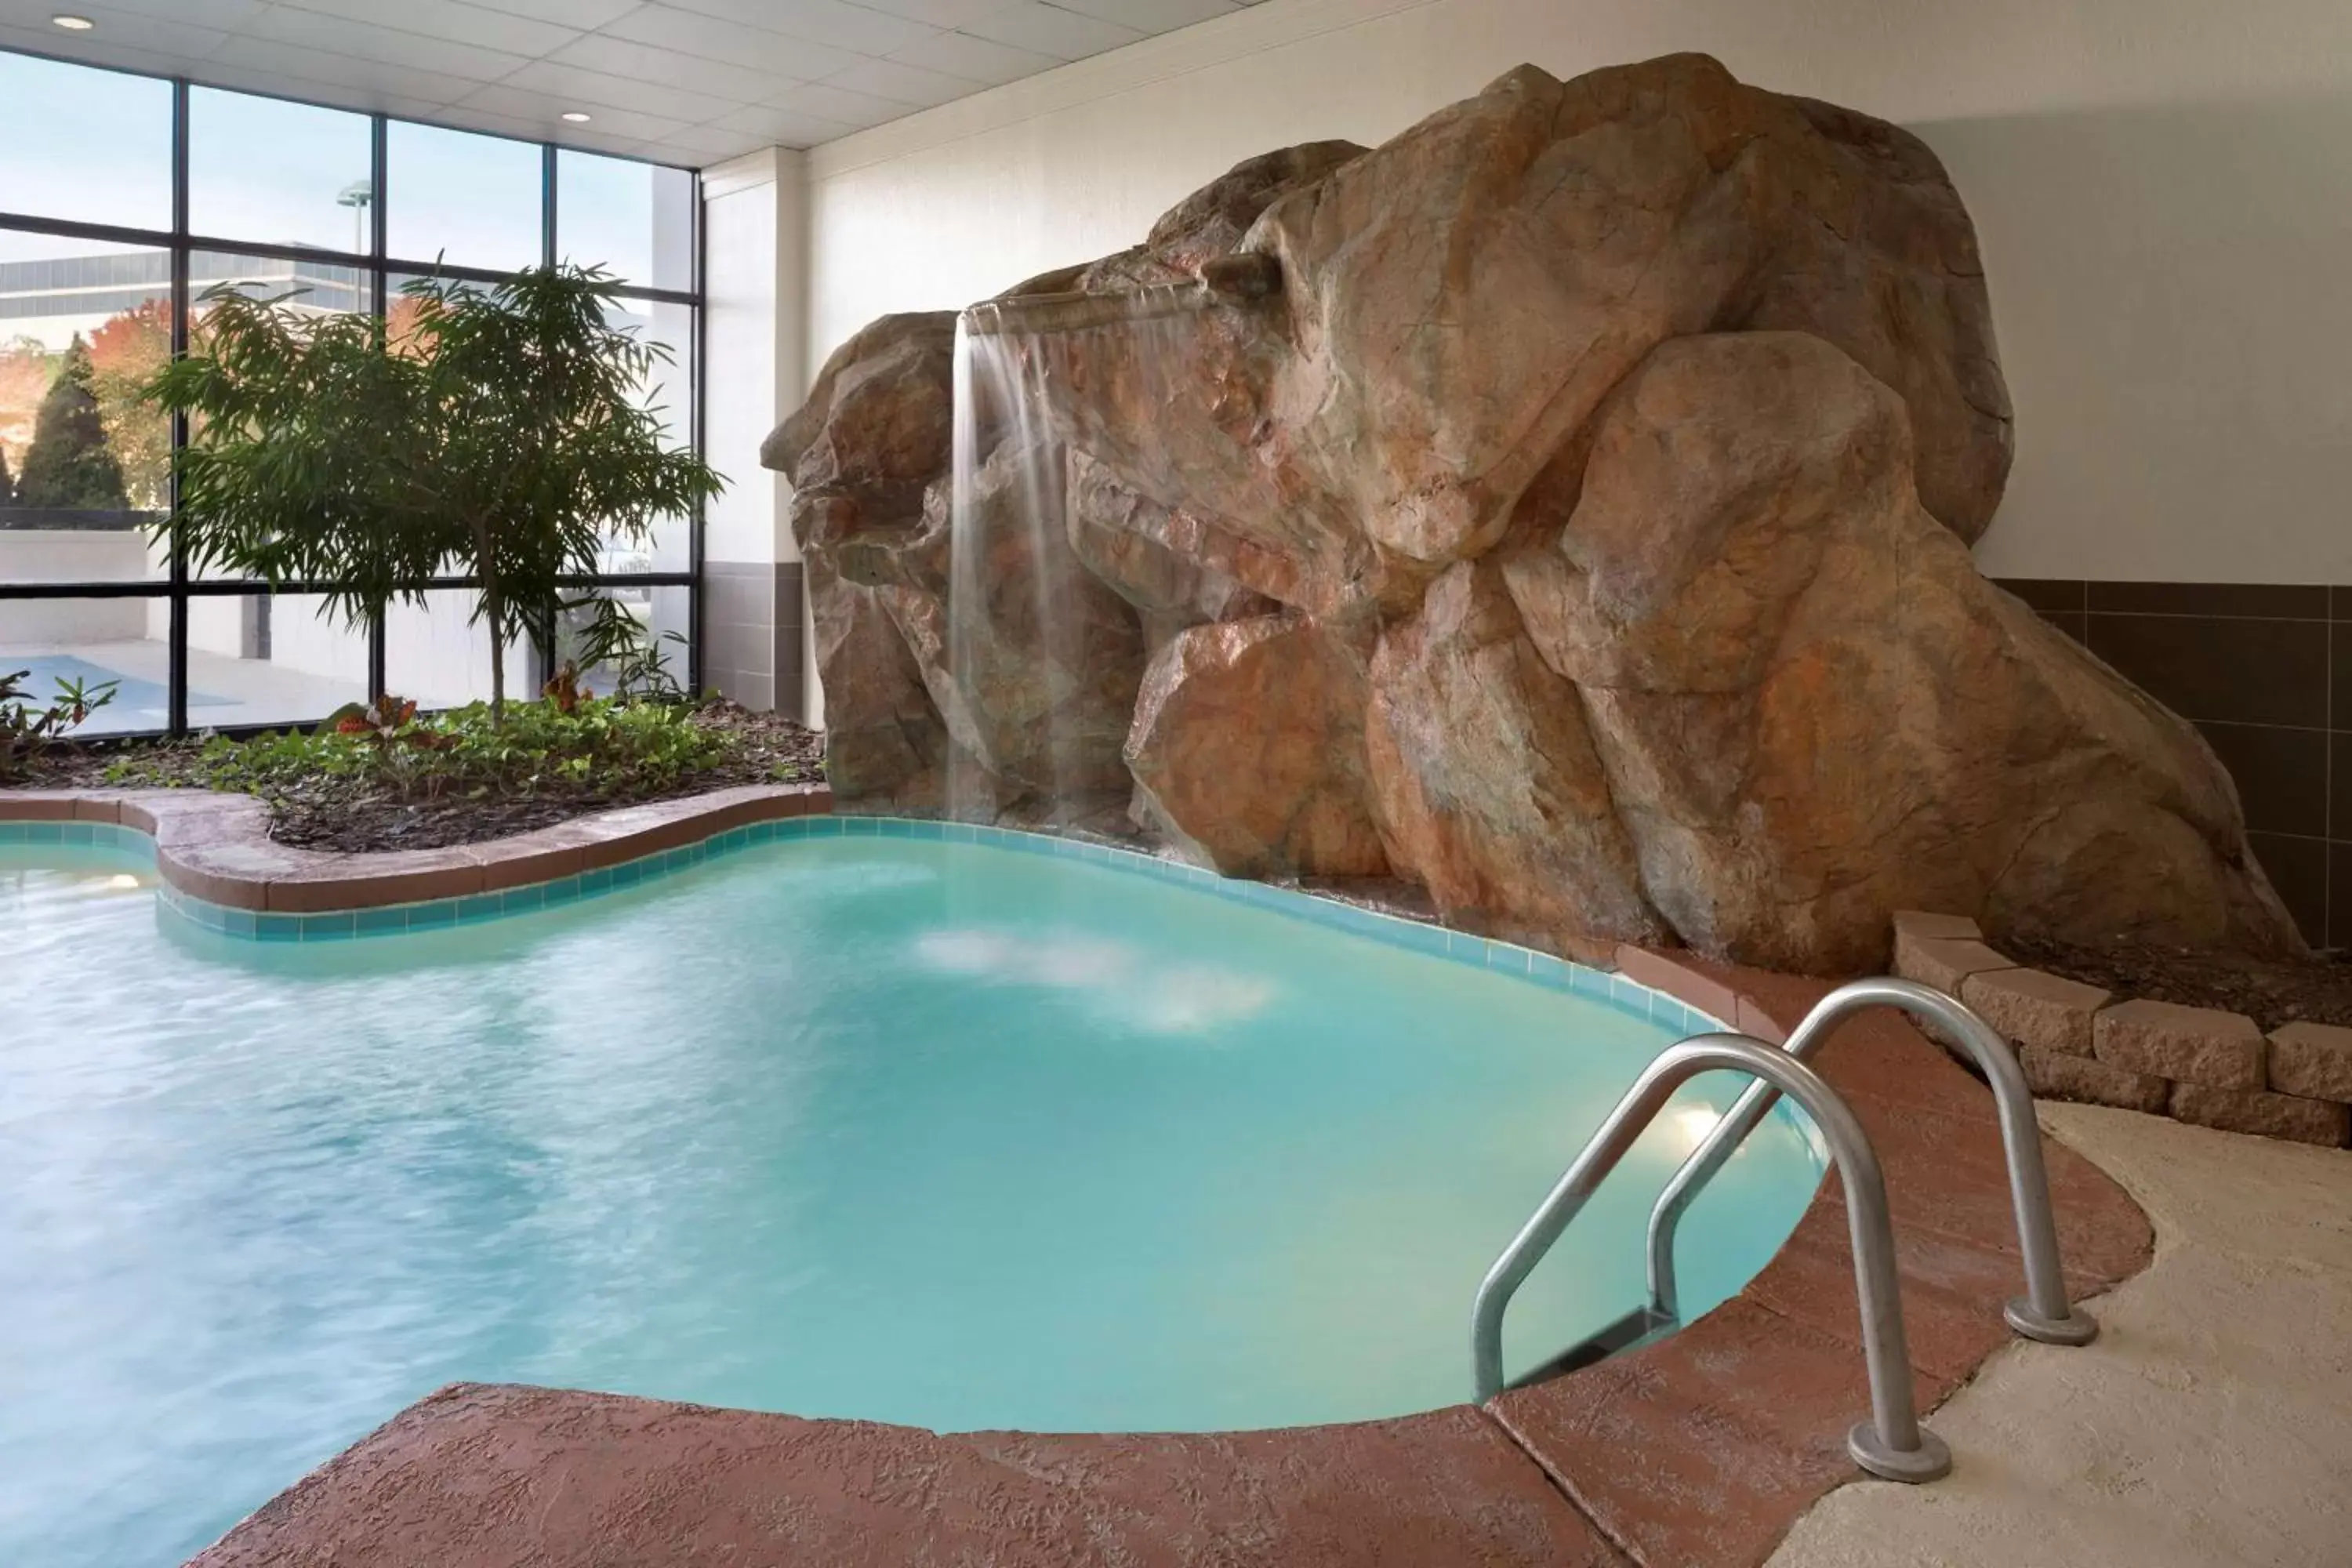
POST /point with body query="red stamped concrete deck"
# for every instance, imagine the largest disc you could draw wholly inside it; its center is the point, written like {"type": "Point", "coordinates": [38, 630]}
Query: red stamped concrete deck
{"type": "Point", "coordinates": [217, 847]}
{"type": "Point", "coordinates": [1697, 1451]}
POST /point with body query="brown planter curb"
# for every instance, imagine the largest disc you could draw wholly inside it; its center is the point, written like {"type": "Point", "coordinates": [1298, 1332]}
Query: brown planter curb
{"type": "Point", "coordinates": [1696, 1451]}
{"type": "Point", "coordinates": [215, 848]}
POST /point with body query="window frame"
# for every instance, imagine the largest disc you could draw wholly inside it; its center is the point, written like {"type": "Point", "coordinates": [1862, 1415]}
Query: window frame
{"type": "Point", "coordinates": [178, 587]}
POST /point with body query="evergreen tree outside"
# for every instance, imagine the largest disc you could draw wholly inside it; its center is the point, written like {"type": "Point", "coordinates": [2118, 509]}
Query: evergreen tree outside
{"type": "Point", "coordinates": [69, 465]}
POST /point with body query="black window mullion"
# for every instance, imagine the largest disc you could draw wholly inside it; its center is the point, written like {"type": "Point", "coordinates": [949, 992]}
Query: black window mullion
{"type": "Point", "coordinates": [177, 707]}
{"type": "Point", "coordinates": [378, 659]}
{"type": "Point", "coordinates": [694, 525]}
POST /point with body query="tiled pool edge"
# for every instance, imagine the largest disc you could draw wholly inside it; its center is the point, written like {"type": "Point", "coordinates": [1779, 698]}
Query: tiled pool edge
{"type": "Point", "coordinates": [711, 831]}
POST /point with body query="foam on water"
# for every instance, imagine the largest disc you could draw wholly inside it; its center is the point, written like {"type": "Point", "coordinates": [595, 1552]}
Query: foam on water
{"type": "Point", "coordinates": [926, 1132]}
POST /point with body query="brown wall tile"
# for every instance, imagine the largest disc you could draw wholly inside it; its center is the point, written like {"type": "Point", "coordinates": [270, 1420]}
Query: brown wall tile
{"type": "Point", "coordinates": [2241, 671]}
{"type": "Point", "coordinates": [2054, 596]}
{"type": "Point", "coordinates": [2281, 775]}
{"type": "Point", "coordinates": [2269, 601]}
{"type": "Point", "coordinates": [2298, 868]}
{"type": "Point", "coordinates": [2339, 895]}
{"type": "Point", "coordinates": [2339, 676]}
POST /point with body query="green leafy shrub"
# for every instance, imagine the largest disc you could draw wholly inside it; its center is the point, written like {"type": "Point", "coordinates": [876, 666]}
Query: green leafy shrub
{"type": "Point", "coordinates": [602, 747]}
{"type": "Point", "coordinates": [27, 732]}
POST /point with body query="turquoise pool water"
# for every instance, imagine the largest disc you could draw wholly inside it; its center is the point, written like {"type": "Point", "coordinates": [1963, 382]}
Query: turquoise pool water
{"type": "Point", "coordinates": [927, 1132]}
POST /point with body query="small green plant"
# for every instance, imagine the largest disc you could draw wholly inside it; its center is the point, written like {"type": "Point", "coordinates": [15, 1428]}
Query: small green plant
{"type": "Point", "coordinates": [604, 747]}
{"type": "Point", "coordinates": [27, 731]}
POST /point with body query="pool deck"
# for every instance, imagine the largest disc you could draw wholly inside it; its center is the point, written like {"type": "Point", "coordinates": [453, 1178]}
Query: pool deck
{"type": "Point", "coordinates": [2211, 1422]}
{"type": "Point", "coordinates": [1701, 1449]}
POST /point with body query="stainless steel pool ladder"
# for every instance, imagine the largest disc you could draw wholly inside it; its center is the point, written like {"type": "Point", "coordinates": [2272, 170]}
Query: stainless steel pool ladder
{"type": "Point", "coordinates": [2042, 1312]}
{"type": "Point", "coordinates": [1879, 1446]}
{"type": "Point", "coordinates": [1892, 1442]}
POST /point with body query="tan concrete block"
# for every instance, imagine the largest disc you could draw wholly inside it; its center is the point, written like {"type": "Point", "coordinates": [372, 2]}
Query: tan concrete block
{"type": "Point", "coordinates": [2061, 1075]}
{"type": "Point", "coordinates": [1934, 927]}
{"type": "Point", "coordinates": [2028, 1007]}
{"type": "Point", "coordinates": [2313, 1061]}
{"type": "Point", "coordinates": [2321, 1122]}
{"type": "Point", "coordinates": [2186, 1045]}
{"type": "Point", "coordinates": [1943, 963]}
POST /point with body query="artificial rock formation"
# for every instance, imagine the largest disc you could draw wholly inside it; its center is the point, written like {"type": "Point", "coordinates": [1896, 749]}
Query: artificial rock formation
{"type": "Point", "coordinates": [1565, 505]}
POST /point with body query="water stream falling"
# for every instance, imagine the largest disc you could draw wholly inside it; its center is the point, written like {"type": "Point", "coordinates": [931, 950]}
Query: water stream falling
{"type": "Point", "coordinates": [1014, 525]}
{"type": "Point", "coordinates": [1017, 650]}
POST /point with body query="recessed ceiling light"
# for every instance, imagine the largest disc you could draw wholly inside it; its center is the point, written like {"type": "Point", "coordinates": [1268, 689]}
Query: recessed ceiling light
{"type": "Point", "coordinates": [577, 116]}
{"type": "Point", "coordinates": [72, 24]}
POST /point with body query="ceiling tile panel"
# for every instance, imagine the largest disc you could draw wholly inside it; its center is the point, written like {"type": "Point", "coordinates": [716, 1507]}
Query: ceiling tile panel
{"type": "Point", "coordinates": [643, 62]}
{"type": "Point", "coordinates": [937, 13]}
{"type": "Point", "coordinates": [900, 83]}
{"type": "Point", "coordinates": [839, 103]}
{"type": "Point", "coordinates": [299, 65]}
{"type": "Point", "coordinates": [593, 90]}
{"type": "Point", "coordinates": [366, 41]}
{"type": "Point", "coordinates": [784, 126]}
{"type": "Point", "coordinates": [1050, 30]}
{"type": "Point", "coordinates": [981, 60]}
{"type": "Point", "coordinates": [451, 20]}
{"type": "Point", "coordinates": [543, 115]}
{"type": "Point", "coordinates": [732, 43]}
{"type": "Point", "coordinates": [583, 13]}
{"type": "Point", "coordinates": [1151, 15]}
{"type": "Point", "coordinates": [819, 21]}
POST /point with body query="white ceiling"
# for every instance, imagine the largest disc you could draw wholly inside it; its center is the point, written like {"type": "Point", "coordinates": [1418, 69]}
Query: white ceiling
{"type": "Point", "coordinates": [683, 81]}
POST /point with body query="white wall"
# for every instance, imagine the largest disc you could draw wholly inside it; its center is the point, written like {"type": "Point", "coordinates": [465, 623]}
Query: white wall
{"type": "Point", "coordinates": [2163, 189]}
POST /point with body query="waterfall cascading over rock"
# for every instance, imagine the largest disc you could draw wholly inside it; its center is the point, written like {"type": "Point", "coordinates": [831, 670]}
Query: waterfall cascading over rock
{"type": "Point", "coordinates": [1564, 505]}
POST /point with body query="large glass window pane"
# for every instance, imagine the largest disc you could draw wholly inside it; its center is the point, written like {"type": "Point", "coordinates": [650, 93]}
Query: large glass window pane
{"type": "Point", "coordinates": [260, 659]}
{"type": "Point", "coordinates": [436, 655]}
{"type": "Point", "coordinates": [316, 287]}
{"type": "Point", "coordinates": [469, 200]}
{"type": "Point", "coordinates": [670, 390]}
{"type": "Point", "coordinates": [127, 641]}
{"type": "Point", "coordinates": [84, 461]}
{"type": "Point", "coordinates": [275, 173]}
{"type": "Point", "coordinates": [664, 619]}
{"type": "Point", "coordinates": [83, 144]}
{"type": "Point", "coordinates": [635, 220]}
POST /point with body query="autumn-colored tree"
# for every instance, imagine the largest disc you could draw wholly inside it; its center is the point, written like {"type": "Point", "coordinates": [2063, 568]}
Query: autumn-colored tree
{"type": "Point", "coordinates": [27, 368]}
{"type": "Point", "coordinates": [70, 467]}
{"type": "Point", "coordinates": [124, 356]}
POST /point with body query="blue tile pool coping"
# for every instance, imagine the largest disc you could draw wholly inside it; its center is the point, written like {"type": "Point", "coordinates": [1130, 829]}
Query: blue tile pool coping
{"type": "Point", "coordinates": [1612, 989]}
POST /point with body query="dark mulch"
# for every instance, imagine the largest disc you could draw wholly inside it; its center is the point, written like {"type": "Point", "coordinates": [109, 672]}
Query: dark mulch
{"type": "Point", "coordinates": [2271, 992]}
{"type": "Point", "coordinates": [338, 815]}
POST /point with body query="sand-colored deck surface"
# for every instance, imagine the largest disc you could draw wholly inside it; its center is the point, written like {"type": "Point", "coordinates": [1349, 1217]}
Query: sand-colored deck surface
{"type": "Point", "coordinates": [2209, 1425]}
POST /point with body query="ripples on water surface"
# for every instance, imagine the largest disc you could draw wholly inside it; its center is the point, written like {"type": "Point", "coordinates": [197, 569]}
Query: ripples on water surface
{"type": "Point", "coordinates": [931, 1133]}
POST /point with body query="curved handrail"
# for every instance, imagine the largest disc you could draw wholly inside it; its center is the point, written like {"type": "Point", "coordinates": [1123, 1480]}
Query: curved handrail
{"type": "Point", "coordinates": [2043, 1314]}
{"type": "Point", "coordinates": [1892, 1442]}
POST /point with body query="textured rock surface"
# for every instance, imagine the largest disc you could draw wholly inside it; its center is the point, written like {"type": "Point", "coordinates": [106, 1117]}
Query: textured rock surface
{"type": "Point", "coordinates": [873, 436]}
{"type": "Point", "coordinates": [1814, 711]}
{"type": "Point", "coordinates": [1610, 452]}
{"type": "Point", "coordinates": [1487, 782]}
{"type": "Point", "coordinates": [1248, 751]}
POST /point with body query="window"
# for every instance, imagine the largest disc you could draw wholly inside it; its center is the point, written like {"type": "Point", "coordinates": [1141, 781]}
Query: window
{"type": "Point", "coordinates": [272, 173]}
{"type": "Point", "coordinates": [280, 198]}
{"type": "Point", "coordinates": [463, 200]}
{"type": "Point", "coordinates": [636, 220]}
{"type": "Point", "coordinates": [85, 145]}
